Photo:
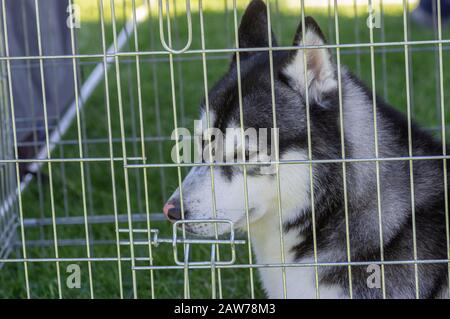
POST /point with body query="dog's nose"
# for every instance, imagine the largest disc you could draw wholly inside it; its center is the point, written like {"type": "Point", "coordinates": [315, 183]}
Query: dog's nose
{"type": "Point", "coordinates": [172, 211]}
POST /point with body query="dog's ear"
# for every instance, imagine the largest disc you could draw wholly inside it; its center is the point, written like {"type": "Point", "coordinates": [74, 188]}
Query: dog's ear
{"type": "Point", "coordinates": [321, 73]}
{"type": "Point", "coordinates": [253, 31]}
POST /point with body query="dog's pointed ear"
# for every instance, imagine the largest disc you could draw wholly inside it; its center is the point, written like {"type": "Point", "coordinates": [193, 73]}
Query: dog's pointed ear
{"type": "Point", "coordinates": [321, 70]}
{"type": "Point", "coordinates": [253, 30]}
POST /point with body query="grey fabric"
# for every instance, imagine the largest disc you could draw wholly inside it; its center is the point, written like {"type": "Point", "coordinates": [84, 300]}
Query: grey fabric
{"type": "Point", "coordinates": [26, 76]}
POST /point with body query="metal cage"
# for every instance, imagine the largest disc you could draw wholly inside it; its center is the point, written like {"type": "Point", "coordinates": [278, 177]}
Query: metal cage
{"type": "Point", "coordinates": [8, 210]}
{"type": "Point", "coordinates": [83, 193]}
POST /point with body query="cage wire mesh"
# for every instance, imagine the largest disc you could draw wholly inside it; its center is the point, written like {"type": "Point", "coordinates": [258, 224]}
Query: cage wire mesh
{"type": "Point", "coordinates": [8, 217]}
{"type": "Point", "coordinates": [84, 183]}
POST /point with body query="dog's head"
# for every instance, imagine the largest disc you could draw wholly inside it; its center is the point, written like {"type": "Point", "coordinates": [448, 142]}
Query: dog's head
{"type": "Point", "coordinates": [266, 82]}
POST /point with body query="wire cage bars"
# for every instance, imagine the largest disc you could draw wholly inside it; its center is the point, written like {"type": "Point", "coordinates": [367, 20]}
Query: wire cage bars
{"type": "Point", "coordinates": [8, 216]}
{"type": "Point", "coordinates": [83, 187]}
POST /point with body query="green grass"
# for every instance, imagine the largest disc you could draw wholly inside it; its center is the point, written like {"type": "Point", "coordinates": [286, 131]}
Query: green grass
{"type": "Point", "coordinates": [189, 83]}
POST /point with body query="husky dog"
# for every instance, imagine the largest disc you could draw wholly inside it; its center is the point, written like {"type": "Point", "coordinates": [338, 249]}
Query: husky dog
{"type": "Point", "coordinates": [412, 206]}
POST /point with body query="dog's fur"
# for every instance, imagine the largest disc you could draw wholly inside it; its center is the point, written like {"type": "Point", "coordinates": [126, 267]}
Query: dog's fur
{"type": "Point", "coordinates": [398, 208]}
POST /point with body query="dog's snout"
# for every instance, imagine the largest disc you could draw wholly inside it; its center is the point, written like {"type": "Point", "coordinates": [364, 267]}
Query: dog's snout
{"type": "Point", "coordinates": [172, 211]}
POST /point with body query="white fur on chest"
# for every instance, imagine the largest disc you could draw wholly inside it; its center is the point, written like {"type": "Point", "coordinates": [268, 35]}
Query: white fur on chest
{"type": "Point", "coordinates": [300, 281]}
{"type": "Point", "coordinates": [265, 235]}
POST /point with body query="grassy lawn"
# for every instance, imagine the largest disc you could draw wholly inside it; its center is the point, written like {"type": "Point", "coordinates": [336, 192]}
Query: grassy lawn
{"type": "Point", "coordinates": [158, 119]}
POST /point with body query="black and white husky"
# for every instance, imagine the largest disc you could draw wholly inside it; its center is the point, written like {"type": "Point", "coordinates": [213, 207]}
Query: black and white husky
{"type": "Point", "coordinates": [399, 209]}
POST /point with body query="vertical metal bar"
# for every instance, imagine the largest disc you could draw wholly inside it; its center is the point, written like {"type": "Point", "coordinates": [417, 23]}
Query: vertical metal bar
{"type": "Point", "coordinates": [357, 39]}
{"type": "Point", "coordinates": [7, 184]}
{"type": "Point", "coordinates": [187, 250]}
{"type": "Point", "coordinates": [277, 151]}
{"type": "Point", "coordinates": [33, 116]}
{"type": "Point", "coordinates": [143, 153]}
{"type": "Point", "coordinates": [111, 151]}
{"type": "Point", "coordinates": [80, 147]}
{"type": "Point", "coordinates": [411, 69]}
{"type": "Point", "coordinates": [85, 146]}
{"type": "Point", "coordinates": [213, 189]}
{"type": "Point", "coordinates": [344, 166]}
{"type": "Point", "coordinates": [241, 122]}
{"type": "Point", "coordinates": [213, 268]}
{"type": "Point", "coordinates": [179, 69]}
{"type": "Point", "coordinates": [50, 173]}
{"type": "Point", "coordinates": [377, 163]}
{"type": "Point", "coordinates": [124, 151]}
{"type": "Point", "coordinates": [55, 92]}
{"type": "Point", "coordinates": [311, 177]}
{"type": "Point", "coordinates": [162, 172]}
{"type": "Point", "coordinates": [8, 211]}
{"type": "Point", "coordinates": [383, 52]}
{"type": "Point", "coordinates": [16, 152]}
{"type": "Point", "coordinates": [161, 28]}
{"type": "Point", "coordinates": [443, 134]}
{"type": "Point", "coordinates": [175, 123]}
{"type": "Point", "coordinates": [134, 140]}
{"type": "Point", "coordinates": [436, 57]}
{"type": "Point", "coordinates": [410, 152]}
{"type": "Point", "coordinates": [64, 182]}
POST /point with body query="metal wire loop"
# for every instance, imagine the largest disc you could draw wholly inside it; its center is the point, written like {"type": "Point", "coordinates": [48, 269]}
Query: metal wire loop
{"type": "Point", "coordinates": [161, 27]}
{"type": "Point", "coordinates": [230, 240]}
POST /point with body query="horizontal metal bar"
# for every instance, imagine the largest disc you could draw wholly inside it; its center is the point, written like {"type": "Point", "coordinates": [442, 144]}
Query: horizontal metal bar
{"type": "Point", "coordinates": [65, 242]}
{"type": "Point", "coordinates": [300, 265]}
{"type": "Point", "coordinates": [134, 139]}
{"type": "Point", "coordinates": [98, 219]}
{"type": "Point", "coordinates": [139, 230]}
{"type": "Point", "coordinates": [186, 241]}
{"type": "Point", "coordinates": [81, 259]}
{"type": "Point", "coordinates": [289, 162]}
{"type": "Point", "coordinates": [35, 128]}
{"type": "Point", "coordinates": [37, 118]}
{"type": "Point", "coordinates": [71, 159]}
{"type": "Point", "coordinates": [229, 50]}
{"type": "Point", "coordinates": [130, 61]}
{"type": "Point", "coordinates": [245, 266]}
{"type": "Point", "coordinates": [137, 139]}
{"type": "Point", "coordinates": [101, 141]}
{"type": "Point", "coordinates": [183, 58]}
{"type": "Point", "coordinates": [82, 242]}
